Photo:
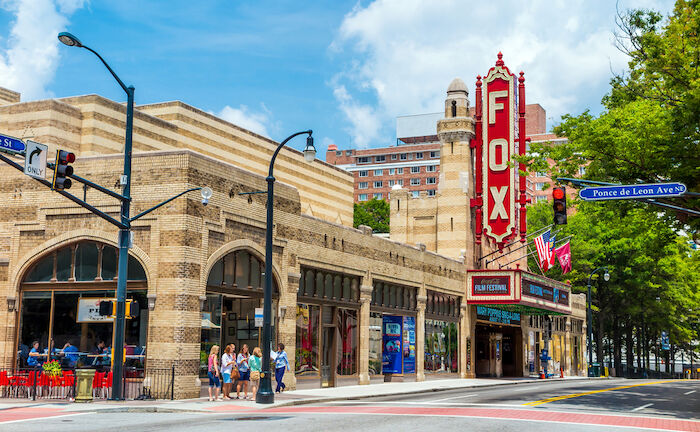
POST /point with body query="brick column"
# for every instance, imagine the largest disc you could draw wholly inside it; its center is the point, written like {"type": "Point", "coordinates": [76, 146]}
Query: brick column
{"type": "Point", "coordinates": [420, 336]}
{"type": "Point", "coordinates": [363, 322]}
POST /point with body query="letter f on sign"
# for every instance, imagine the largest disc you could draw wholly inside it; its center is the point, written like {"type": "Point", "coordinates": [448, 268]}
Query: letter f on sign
{"type": "Point", "coordinates": [499, 198]}
{"type": "Point", "coordinates": [493, 106]}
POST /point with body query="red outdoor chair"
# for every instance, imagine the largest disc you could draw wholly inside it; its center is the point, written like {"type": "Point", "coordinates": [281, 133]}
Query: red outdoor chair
{"type": "Point", "coordinates": [97, 383]}
{"type": "Point", "coordinates": [107, 384]}
{"type": "Point", "coordinates": [4, 383]}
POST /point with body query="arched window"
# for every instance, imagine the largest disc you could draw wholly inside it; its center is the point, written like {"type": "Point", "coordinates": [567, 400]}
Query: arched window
{"type": "Point", "coordinates": [240, 270]}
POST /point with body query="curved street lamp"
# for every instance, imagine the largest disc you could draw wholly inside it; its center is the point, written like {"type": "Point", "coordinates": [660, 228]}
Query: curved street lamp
{"type": "Point", "coordinates": [265, 394]}
{"type": "Point", "coordinates": [606, 277]}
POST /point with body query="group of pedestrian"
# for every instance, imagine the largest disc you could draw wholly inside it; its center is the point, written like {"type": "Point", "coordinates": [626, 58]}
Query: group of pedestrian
{"type": "Point", "coordinates": [242, 369]}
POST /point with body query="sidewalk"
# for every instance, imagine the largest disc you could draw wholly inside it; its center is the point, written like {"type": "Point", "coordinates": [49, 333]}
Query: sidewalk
{"type": "Point", "coordinates": [295, 397]}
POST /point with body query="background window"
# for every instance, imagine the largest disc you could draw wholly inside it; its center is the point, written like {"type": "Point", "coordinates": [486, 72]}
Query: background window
{"type": "Point", "coordinates": [404, 156]}
{"type": "Point", "coordinates": [541, 174]}
{"type": "Point", "coordinates": [378, 196]}
{"type": "Point", "coordinates": [392, 183]}
{"type": "Point", "coordinates": [415, 182]}
{"type": "Point", "coordinates": [434, 154]}
{"type": "Point", "coordinates": [381, 158]}
{"type": "Point", "coordinates": [541, 198]}
{"type": "Point", "coordinates": [431, 192]}
{"type": "Point", "coordinates": [399, 182]}
{"type": "Point", "coordinates": [430, 180]}
{"type": "Point", "coordinates": [362, 185]}
{"type": "Point", "coordinates": [539, 186]}
{"type": "Point", "coordinates": [363, 173]}
{"type": "Point", "coordinates": [416, 194]}
{"type": "Point", "coordinates": [399, 170]}
{"type": "Point", "coordinates": [392, 171]}
{"type": "Point", "coordinates": [378, 172]}
{"type": "Point", "coordinates": [431, 168]}
{"type": "Point", "coordinates": [415, 170]}
{"type": "Point", "coordinates": [363, 197]}
{"type": "Point", "coordinates": [378, 184]}
{"type": "Point", "coordinates": [419, 155]}
{"type": "Point", "coordinates": [363, 159]}
{"type": "Point", "coordinates": [394, 157]}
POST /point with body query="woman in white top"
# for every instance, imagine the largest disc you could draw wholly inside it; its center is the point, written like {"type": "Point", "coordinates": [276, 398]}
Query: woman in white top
{"type": "Point", "coordinates": [227, 362]}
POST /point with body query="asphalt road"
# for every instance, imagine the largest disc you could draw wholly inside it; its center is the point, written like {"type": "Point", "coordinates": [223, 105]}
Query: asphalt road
{"type": "Point", "coordinates": [599, 405]}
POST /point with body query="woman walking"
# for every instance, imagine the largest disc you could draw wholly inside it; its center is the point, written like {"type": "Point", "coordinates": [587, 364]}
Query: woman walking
{"type": "Point", "coordinates": [227, 363]}
{"type": "Point", "coordinates": [255, 363]}
{"type": "Point", "coordinates": [213, 373]}
{"type": "Point", "coordinates": [281, 365]}
{"type": "Point", "coordinates": [243, 371]}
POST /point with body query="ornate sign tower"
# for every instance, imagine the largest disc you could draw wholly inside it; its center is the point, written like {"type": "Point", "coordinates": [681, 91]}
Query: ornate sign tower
{"type": "Point", "coordinates": [495, 143]}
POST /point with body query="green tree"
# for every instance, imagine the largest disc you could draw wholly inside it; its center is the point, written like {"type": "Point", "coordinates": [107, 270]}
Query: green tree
{"type": "Point", "coordinates": [649, 131]}
{"type": "Point", "coordinates": [654, 284]}
{"type": "Point", "coordinates": [373, 213]}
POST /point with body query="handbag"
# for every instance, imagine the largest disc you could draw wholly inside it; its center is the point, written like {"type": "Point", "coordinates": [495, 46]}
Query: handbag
{"type": "Point", "coordinates": [234, 374]}
{"type": "Point", "coordinates": [255, 375]}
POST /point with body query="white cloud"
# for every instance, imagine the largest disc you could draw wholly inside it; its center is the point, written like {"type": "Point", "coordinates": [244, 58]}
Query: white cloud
{"type": "Point", "coordinates": [400, 55]}
{"type": "Point", "coordinates": [365, 124]}
{"type": "Point", "coordinates": [242, 116]}
{"type": "Point", "coordinates": [29, 58]}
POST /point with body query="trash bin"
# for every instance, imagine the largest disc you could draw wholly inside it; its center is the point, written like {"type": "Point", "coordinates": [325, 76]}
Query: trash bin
{"type": "Point", "coordinates": [83, 384]}
{"type": "Point", "coordinates": [594, 370]}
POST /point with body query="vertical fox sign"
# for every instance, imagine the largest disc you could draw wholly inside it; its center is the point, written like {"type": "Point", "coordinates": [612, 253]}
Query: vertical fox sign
{"type": "Point", "coordinates": [495, 143]}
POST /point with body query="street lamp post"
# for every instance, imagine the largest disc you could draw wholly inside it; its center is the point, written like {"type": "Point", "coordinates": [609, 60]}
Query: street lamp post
{"type": "Point", "coordinates": [124, 233]}
{"type": "Point", "coordinates": [265, 394]}
{"type": "Point", "coordinates": [606, 276]}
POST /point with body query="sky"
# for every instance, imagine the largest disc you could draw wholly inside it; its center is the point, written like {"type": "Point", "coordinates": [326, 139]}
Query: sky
{"type": "Point", "coordinates": [345, 69]}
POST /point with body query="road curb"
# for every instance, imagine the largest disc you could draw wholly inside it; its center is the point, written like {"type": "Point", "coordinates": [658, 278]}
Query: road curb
{"type": "Point", "coordinates": [426, 391]}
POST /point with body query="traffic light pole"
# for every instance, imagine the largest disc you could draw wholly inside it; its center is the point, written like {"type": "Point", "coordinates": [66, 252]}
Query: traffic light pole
{"type": "Point", "coordinates": [123, 263]}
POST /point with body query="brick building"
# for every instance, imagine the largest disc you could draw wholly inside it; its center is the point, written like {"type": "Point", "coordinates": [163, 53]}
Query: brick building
{"type": "Point", "coordinates": [196, 271]}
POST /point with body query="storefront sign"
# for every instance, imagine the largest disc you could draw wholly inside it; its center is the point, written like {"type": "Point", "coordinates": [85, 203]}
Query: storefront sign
{"type": "Point", "coordinates": [493, 285]}
{"type": "Point", "coordinates": [497, 315]}
{"type": "Point", "coordinates": [409, 344]}
{"type": "Point", "coordinates": [391, 344]}
{"type": "Point", "coordinates": [89, 310]}
{"type": "Point", "coordinates": [541, 292]}
{"type": "Point", "coordinates": [498, 141]}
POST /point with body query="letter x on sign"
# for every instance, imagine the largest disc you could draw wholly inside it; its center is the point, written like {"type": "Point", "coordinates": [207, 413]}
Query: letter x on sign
{"type": "Point", "coordinates": [499, 197]}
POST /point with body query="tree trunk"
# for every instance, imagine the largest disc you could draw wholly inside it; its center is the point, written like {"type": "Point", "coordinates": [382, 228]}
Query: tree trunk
{"type": "Point", "coordinates": [617, 347]}
{"type": "Point", "coordinates": [600, 355]}
{"type": "Point", "coordinates": [639, 348]}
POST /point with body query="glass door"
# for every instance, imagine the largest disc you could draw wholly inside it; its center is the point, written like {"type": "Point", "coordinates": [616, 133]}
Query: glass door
{"type": "Point", "coordinates": [328, 347]}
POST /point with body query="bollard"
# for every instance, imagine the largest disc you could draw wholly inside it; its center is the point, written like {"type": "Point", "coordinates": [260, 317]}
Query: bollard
{"type": "Point", "coordinates": [83, 384]}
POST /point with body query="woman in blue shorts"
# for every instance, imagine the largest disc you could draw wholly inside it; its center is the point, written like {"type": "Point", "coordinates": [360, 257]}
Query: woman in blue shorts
{"type": "Point", "coordinates": [244, 371]}
{"type": "Point", "coordinates": [213, 373]}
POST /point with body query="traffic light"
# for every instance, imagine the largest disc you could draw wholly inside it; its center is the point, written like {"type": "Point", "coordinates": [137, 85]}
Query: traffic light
{"type": "Point", "coordinates": [108, 308]}
{"type": "Point", "coordinates": [559, 196]}
{"type": "Point", "coordinates": [62, 170]}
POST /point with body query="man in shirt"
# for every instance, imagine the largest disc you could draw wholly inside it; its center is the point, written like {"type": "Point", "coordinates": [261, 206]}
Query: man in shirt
{"type": "Point", "coordinates": [70, 351]}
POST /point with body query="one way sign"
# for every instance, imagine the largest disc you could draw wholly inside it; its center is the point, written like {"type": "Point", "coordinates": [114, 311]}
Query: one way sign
{"type": "Point", "coordinates": [35, 160]}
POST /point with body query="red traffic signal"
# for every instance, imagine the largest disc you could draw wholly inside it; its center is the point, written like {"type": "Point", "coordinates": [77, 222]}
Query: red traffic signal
{"type": "Point", "coordinates": [559, 205]}
{"type": "Point", "coordinates": [62, 170]}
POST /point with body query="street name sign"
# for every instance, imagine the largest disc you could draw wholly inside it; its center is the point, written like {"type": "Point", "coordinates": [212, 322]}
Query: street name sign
{"type": "Point", "coordinates": [258, 317]}
{"type": "Point", "coordinates": [10, 144]}
{"type": "Point", "coordinates": [35, 160]}
{"type": "Point", "coordinates": [654, 190]}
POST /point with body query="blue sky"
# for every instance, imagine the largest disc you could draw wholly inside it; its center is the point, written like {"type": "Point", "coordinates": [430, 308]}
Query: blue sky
{"type": "Point", "coordinates": [345, 69]}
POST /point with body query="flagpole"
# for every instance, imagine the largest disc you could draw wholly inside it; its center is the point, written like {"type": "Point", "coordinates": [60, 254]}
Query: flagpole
{"type": "Point", "coordinates": [516, 241]}
{"type": "Point", "coordinates": [500, 266]}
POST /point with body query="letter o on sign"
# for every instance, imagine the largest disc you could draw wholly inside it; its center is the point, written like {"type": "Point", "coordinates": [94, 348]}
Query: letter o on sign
{"type": "Point", "coordinates": [503, 144]}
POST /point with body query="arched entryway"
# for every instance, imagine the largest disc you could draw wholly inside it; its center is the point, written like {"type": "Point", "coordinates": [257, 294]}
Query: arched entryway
{"type": "Point", "coordinates": [59, 304]}
{"type": "Point", "coordinates": [234, 291]}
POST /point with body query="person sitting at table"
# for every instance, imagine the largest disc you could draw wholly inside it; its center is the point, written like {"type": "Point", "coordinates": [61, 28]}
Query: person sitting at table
{"type": "Point", "coordinates": [35, 357]}
{"type": "Point", "coordinates": [70, 352]}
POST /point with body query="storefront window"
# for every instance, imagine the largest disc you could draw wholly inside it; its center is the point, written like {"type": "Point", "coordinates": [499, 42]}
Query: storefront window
{"type": "Point", "coordinates": [375, 343]}
{"type": "Point", "coordinates": [55, 311]}
{"type": "Point", "coordinates": [440, 346]}
{"type": "Point", "coordinates": [347, 342]}
{"type": "Point", "coordinates": [307, 339]}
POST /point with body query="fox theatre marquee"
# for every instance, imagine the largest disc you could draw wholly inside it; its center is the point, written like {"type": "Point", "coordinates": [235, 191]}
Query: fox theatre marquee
{"type": "Point", "coordinates": [518, 291]}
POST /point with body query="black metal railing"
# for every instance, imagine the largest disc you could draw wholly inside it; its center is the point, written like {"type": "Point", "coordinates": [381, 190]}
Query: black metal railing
{"type": "Point", "coordinates": [137, 384]}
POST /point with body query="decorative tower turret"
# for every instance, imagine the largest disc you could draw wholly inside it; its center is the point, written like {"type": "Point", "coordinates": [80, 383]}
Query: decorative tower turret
{"type": "Point", "coordinates": [455, 187]}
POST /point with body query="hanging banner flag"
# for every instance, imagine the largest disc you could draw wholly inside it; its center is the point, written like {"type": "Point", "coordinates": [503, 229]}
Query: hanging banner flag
{"type": "Point", "coordinates": [563, 253]}
{"type": "Point", "coordinates": [543, 250]}
{"type": "Point", "coordinates": [498, 146]}
{"type": "Point", "coordinates": [552, 259]}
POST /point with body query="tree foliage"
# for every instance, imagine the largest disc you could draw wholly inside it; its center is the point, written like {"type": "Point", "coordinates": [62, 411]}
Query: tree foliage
{"type": "Point", "coordinates": [649, 131]}
{"type": "Point", "coordinates": [373, 213]}
{"type": "Point", "coordinates": [654, 273]}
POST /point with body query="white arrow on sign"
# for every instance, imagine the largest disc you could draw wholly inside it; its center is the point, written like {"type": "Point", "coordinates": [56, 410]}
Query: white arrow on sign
{"type": "Point", "coordinates": [35, 160]}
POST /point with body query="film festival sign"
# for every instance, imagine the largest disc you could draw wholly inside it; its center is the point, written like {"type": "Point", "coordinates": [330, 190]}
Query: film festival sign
{"type": "Point", "coordinates": [495, 142]}
{"type": "Point", "coordinates": [494, 285]}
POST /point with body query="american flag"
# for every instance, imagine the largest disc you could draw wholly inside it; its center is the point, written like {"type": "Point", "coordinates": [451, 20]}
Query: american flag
{"type": "Point", "coordinates": [544, 250]}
